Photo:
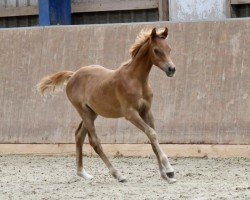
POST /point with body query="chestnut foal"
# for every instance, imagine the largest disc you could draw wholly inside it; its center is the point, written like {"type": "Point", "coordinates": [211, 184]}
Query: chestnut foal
{"type": "Point", "coordinates": [124, 92]}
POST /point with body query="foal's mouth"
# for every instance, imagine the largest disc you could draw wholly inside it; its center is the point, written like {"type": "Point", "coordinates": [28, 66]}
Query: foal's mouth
{"type": "Point", "coordinates": [170, 71]}
{"type": "Point", "coordinates": [170, 75]}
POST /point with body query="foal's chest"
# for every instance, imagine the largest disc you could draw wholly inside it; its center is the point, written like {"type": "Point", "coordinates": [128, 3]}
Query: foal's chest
{"type": "Point", "coordinates": [143, 104]}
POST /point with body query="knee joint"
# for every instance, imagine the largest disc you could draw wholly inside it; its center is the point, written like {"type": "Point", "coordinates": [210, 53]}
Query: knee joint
{"type": "Point", "coordinates": [95, 143]}
{"type": "Point", "coordinates": [151, 134]}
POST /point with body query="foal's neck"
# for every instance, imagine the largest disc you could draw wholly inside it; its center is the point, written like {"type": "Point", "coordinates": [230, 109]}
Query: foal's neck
{"type": "Point", "coordinates": [140, 66]}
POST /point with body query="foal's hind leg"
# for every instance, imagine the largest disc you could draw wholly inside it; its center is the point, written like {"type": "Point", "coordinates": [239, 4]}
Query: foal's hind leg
{"type": "Point", "coordinates": [88, 117]}
{"type": "Point", "coordinates": [95, 143]}
{"type": "Point", "coordinates": [80, 135]}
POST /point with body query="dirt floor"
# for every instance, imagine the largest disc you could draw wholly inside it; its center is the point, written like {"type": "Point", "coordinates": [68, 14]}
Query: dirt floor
{"type": "Point", "coordinates": [54, 177]}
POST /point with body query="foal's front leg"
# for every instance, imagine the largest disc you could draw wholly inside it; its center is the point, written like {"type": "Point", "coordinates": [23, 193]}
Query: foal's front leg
{"type": "Point", "coordinates": [147, 126]}
{"type": "Point", "coordinates": [165, 167]}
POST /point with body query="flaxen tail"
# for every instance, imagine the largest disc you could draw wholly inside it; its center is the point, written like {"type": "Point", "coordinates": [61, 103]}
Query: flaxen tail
{"type": "Point", "coordinates": [52, 82]}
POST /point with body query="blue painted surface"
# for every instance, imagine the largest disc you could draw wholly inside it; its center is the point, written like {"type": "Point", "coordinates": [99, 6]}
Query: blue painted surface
{"type": "Point", "coordinates": [54, 12]}
{"type": "Point", "coordinates": [44, 18]}
{"type": "Point", "coordinates": [66, 11]}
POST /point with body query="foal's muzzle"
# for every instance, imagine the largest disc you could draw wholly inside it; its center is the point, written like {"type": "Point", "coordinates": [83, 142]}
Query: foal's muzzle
{"type": "Point", "coordinates": [170, 71]}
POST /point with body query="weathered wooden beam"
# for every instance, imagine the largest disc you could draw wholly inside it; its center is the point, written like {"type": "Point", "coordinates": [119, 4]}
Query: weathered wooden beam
{"type": "Point", "coordinates": [98, 6]}
{"type": "Point", "coordinates": [18, 11]}
{"type": "Point", "coordinates": [228, 9]}
{"type": "Point", "coordinates": [112, 5]}
{"type": "Point", "coordinates": [163, 10]}
{"type": "Point", "coordinates": [136, 150]}
{"type": "Point", "coordinates": [240, 1]}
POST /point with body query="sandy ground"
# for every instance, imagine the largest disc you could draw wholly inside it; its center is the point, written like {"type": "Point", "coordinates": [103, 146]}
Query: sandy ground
{"type": "Point", "coordinates": [54, 177]}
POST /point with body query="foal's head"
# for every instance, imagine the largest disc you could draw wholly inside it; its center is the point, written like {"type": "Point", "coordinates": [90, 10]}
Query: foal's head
{"type": "Point", "coordinates": [157, 49]}
{"type": "Point", "coordinates": [159, 52]}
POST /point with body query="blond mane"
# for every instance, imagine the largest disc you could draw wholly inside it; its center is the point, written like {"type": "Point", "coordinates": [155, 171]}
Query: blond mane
{"type": "Point", "coordinates": [140, 40]}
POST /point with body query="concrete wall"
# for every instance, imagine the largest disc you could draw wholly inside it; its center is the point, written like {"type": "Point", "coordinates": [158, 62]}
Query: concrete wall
{"type": "Point", "coordinates": [186, 10]}
{"type": "Point", "coordinates": [207, 101]}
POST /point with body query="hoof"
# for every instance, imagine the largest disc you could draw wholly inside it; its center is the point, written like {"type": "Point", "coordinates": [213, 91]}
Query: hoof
{"type": "Point", "coordinates": [173, 180]}
{"type": "Point", "coordinates": [116, 174]}
{"type": "Point", "coordinates": [169, 176]}
{"type": "Point", "coordinates": [122, 179]}
{"type": "Point", "coordinates": [85, 175]}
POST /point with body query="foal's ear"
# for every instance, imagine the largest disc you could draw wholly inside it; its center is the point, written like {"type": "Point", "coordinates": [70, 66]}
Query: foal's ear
{"type": "Point", "coordinates": [153, 33]}
{"type": "Point", "coordinates": [165, 33]}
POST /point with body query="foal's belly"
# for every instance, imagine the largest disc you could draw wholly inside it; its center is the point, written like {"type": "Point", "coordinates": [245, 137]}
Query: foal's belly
{"type": "Point", "coordinates": [107, 112]}
{"type": "Point", "coordinates": [105, 104]}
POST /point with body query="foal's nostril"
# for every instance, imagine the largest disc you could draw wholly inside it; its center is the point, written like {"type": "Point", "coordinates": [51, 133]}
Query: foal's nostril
{"type": "Point", "coordinates": [171, 69]}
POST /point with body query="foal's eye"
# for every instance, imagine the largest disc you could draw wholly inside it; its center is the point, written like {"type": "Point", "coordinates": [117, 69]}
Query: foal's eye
{"type": "Point", "coordinates": [158, 52]}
